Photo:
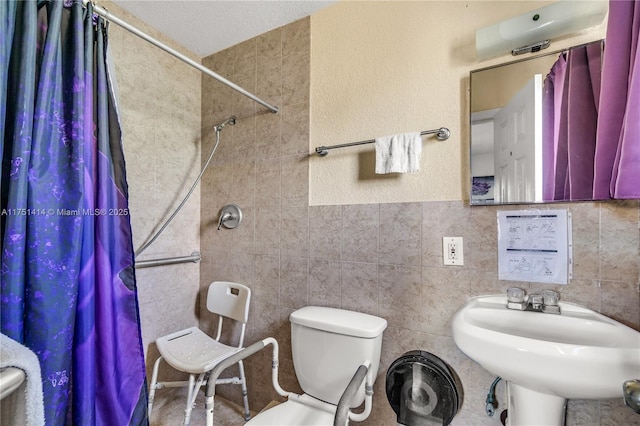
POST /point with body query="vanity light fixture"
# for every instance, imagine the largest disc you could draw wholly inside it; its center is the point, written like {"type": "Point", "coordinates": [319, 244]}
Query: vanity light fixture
{"type": "Point", "coordinates": [533, 31]}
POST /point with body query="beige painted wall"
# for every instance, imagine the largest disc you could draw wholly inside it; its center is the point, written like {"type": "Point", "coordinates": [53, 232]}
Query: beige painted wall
{"type": "Point", "coordinates": [379, 68]}
{"type": "Point", "coordinates": [494, 87]}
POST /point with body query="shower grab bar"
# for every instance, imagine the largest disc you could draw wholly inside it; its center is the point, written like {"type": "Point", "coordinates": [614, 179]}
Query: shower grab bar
{"type": "Point", "coordinates": [442, 134]}
{"type": "Point", "coordinates": [194, 257]}
{"type": "Point", "coordinates": [111, 18]}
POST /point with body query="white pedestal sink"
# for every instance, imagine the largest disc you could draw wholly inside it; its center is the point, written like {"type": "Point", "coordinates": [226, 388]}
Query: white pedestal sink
{"type": "Point", "coordinates": [547, 358]}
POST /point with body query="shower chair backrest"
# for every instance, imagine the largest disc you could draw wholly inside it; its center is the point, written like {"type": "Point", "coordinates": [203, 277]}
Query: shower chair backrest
{"type": "Point", "coordinates": [230, 300]}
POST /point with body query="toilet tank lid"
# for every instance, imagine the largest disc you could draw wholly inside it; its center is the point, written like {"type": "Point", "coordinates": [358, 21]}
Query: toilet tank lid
{"type": "Point", "coordinates": [339, 321]}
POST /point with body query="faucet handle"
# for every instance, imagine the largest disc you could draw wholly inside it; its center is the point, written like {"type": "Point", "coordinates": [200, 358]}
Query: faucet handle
{"type": "Point", "coordinates": [515, 299]}
{"type": "Point", "coordinates": [550, 297]}
{"type": "Point", "coordinates": [515, 295]}
{"type": "Point", "coordinates": [550, 302]}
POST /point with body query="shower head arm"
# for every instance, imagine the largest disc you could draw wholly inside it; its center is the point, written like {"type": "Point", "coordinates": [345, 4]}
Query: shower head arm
{"type": "Point", "coordinates": [231, 121]}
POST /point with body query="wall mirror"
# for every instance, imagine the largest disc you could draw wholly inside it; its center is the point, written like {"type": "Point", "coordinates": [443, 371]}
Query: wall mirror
{"type": "Point", "coordinates": [519, 123]}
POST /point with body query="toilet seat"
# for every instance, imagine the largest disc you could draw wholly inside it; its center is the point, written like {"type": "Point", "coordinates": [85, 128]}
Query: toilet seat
{"type": "Point", "coordinates": [295, 413]}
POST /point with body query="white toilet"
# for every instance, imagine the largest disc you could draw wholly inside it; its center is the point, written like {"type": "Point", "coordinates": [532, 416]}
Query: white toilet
{"type": "Point", "coordinates": [328, 346]}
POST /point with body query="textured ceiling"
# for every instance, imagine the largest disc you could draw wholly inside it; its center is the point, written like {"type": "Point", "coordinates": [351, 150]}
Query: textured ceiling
{"type": "Point", "coordinates": [209, 26]}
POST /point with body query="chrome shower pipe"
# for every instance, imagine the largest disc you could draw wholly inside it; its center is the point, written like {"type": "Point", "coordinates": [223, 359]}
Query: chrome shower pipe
{"type": "Point", "coordinates": [218, 128]}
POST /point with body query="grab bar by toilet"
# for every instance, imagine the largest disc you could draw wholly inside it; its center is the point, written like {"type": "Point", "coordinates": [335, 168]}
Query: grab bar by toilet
{"type": "Point", "coordinates": [233, 359]}
{"type": "Point", "coordinates": [343, 413]}
{"type": "Point", "coordinates": [346, 400]}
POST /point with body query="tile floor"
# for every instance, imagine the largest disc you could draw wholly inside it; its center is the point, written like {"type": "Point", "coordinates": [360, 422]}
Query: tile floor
{"type": "Point", "coordinates": [168, 410]}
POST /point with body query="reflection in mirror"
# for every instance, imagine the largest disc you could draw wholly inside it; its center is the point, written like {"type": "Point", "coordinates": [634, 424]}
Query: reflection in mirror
{"type": "Point", "coordinates": [526, 117]}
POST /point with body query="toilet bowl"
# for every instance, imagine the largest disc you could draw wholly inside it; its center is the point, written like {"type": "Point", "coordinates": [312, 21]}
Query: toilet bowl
{"type": "Point", "coordinates": [328, 346]}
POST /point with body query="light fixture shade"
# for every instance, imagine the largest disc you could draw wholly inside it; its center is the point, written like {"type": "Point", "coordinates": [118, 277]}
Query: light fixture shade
{"type": "Point", "coordinates": [555, 20]}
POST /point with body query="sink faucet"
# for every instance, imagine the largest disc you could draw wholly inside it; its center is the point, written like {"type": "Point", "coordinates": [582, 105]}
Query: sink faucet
{"type": "Point", "coordinates": [546, 302]}
{"type": "Point", "coordinates": [631, 389]}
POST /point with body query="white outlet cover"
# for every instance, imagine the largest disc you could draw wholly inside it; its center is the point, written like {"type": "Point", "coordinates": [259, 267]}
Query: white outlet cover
{"type": "Point", "coordinates": [452, 251]}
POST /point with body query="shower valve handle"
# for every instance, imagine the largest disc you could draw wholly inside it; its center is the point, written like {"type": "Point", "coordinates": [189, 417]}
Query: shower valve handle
{"type": "Point", "coordinates": [224, 218]}
{"type": "Point", "coordinates": [230, 217]}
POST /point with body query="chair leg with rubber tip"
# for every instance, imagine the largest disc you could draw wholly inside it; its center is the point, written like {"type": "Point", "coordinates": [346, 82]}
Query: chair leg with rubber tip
{"type": "Point", "coordinates": [245, 398]}
{"type": "Point", "coordinates": [154, 384]}
{"type": "Point", "coordinates": [191, 396]}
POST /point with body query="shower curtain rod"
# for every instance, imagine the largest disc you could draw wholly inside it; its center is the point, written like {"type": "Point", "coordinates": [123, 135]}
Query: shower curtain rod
{"type": "Point", "coordinates": [111, 18]}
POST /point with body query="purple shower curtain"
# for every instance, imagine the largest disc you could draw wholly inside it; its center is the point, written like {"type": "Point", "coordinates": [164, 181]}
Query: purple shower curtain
{"type": "Point", "coordinates": [68, 288]}
{"type": "Point", "coordinates": [617, 165]}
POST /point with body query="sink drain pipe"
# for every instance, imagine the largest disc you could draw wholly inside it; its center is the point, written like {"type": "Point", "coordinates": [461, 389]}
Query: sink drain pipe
{"type": "Point", "coordinates": [491, 401]}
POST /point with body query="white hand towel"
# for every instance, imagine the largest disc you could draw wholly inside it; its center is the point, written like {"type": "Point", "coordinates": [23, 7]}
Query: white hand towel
{"type": "Point", "coordinates": [398, 153]}
{"type": "Point", "coordinates": [25, 405]}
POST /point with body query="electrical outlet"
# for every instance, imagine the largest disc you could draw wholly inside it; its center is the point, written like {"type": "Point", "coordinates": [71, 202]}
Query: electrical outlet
{"type": "Point", "coordinates": [452, 251]}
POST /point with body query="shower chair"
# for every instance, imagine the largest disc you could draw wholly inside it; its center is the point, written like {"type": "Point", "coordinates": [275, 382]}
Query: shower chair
{"type": "Point", "coordinates": [194, 352]}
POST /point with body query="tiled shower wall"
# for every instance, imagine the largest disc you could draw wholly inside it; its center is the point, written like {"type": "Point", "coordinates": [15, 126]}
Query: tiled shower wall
{"type": "Point", "coordinates": [159, 102]}
{"type": "Point", "coordinates": [383, 259]}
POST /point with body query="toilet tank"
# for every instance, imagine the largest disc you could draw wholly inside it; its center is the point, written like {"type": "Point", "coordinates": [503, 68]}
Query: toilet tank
{"type": "Point", "coordinates": [329, 344]}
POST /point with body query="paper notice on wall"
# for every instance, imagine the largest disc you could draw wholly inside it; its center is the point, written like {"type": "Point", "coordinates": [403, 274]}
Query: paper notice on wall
{"type": "Point", "coordinates": [534, 246]}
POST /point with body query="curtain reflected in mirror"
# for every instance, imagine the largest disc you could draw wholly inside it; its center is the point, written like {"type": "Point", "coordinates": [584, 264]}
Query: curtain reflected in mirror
{"type": "Point", "coordinates": [533, 127]}
{"type": "Point", "coordinates": [570, 99]}
{"type": "Point", "coordinates": [563, 126]}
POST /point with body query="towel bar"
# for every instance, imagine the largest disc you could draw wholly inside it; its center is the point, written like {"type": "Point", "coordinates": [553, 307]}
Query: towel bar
{"type": "Point", "coordinates": [442, 134]}
{"type": "Point", "coordinates": [10, 379]}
